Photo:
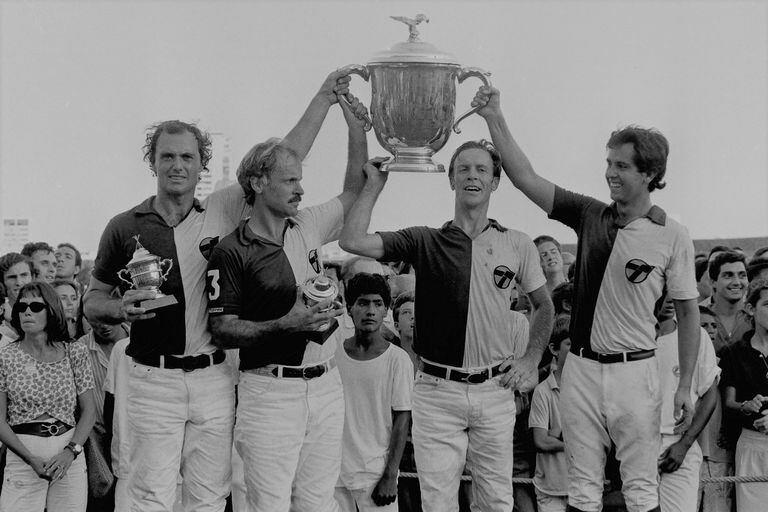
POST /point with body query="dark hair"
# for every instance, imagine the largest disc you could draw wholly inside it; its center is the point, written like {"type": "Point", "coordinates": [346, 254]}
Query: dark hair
{"type": "Point", "coordinates": [2, 293]}
{"type": "Point", "coordinates": [723, 258]}
{"type": "Point", "coordinates": [571, 272]}
{"type": "Point", "coordinates": [701, 267]}
{"type": "Point", "coordinates": [12, 258]}
{"type": "Point", "coordinates": [478, 144]}
{"type": "Point", "coordinates": [31, 248]}
{"type": "Point", "coordinates": [546, 238]}
{"type": "Point", "coordinates": [366, 284]}
{"type": "Point", "coordinates": [560, 331]}
{"type": "Point", "coordinates": [651, 151]}
{"type": "Point", "coordinates": [755, 267]}
{"type": "Point", "coordinates": [401, 299]}
{"type": "Point", "coordinates": [78, 256]}
{"type": "Point", "coordinates": [259, 162]}
{"type": "Point", "coordinates": [560, 295]}
{"type": "Point", "coordinates": [174, 127]}
{"type": "Point", "coordinates": [754, 290]}
{"type": "Point", "coordinates": [704, 310]}
{"type": "Point", "coordinates": [66, 282]}
{"type": "Point", "coordinates": [717, 248]}
{"type": "Point", "coordinates": [56, 324]}
{"type": "Point", "coordinates": [760, 254]}
{"type": "Point", "coordinates": [349, 262]}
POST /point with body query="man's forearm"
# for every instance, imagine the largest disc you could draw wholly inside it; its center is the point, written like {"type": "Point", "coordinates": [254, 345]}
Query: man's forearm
{"type": "Point", "coordinates": [359, 219]}
{"type": "Point", "coordinates": [99, 306]}
{"type": "Point", "coordinates": [302, 136]}
{"type": "Point", "coordinates": [689, 337]}
{"type": "Point", "coordinates": [238, 333]}
{"type": "Point", "coordinates": [701, 417]}
{"type": "Point", "coordinates": [516, 165]}
{"type": "Point", "coordinates": [542, 318]}
{"type": "Point", "coordinates": [400, 424]}
{"type": "Point", "coordinates": [357, 155]}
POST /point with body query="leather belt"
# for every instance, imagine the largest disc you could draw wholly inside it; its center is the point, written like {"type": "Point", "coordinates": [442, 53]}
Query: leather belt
{"type": "Point", "coordinates": [459, 375]}
{"type": "Point", "coordinates": [42, 429]}
{"type": "Point", "coordinates": [186, 363]}
{"type": "Point", "coordinates": [296, 372]}
{"type": "Point", "coordinates": [621, 357]}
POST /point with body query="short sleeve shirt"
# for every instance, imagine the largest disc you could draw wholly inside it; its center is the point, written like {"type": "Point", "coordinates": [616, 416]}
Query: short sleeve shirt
{"type": "Point", "coordinates": [255, 279]}
{"type": "Point", "coordinates": [182, 328]}
{"type": "Point", "coordinates": [34, 387]}
{"type": "Point", "coordinates": [551, 475]}
{"type": "Point", "coordinates": [746, 370]}
{"type": "Point", "coordinates": [621, 272]}
{"type": "Point", "coordinates": [464, 289]}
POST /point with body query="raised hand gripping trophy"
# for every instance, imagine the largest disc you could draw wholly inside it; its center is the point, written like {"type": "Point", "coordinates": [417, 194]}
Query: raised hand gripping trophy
{"type": "Point", "coordinates": [146, 273]}
{"type": "Point", "coordinates": [413, 96]}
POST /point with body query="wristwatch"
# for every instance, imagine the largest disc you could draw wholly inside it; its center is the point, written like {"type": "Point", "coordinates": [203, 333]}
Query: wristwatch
{"type": "Point", "coordinates": [74, 448]}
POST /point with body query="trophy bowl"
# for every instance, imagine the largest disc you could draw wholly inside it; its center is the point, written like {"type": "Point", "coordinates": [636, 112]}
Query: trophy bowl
{"type": "Point", "coordinates": [145, 272]}
{"type": "Point", "coordinates": [413, 97]}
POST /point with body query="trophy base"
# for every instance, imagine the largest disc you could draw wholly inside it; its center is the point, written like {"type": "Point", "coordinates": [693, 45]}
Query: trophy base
{"type": "Point", "coordinates": [412, 160]}
{"type": "Point", "coordinates": [159, 302]}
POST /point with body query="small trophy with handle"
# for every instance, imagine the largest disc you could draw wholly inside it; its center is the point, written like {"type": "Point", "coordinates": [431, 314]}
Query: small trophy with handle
{"type": "Point", "coordinates": [146, 273]}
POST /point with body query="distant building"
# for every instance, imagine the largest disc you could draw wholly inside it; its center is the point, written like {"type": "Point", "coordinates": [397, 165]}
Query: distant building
{"type": "Point", "coordinates": [15, 235]}
{"type": "Point", "coordinates": [218, 174]}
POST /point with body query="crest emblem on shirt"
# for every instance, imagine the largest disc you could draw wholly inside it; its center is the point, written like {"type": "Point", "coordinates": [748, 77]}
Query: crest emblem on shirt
{"type": "Point", "coordinates": [206, 246]}
{"type": "Point", "coordinates": [637, 270]}
{"type": "Point", "coordinates": [314, 261]}
{"type": "Point", "coordinates": [676, 371]}
{"type": "Point", "coordinates": [503, 276]}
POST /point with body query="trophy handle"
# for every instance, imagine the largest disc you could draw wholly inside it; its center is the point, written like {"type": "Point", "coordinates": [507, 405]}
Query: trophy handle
{"type": "Point", "coordinates": [126, 281]}
{"type": "Point", "coordinates": [362, 72]}
{"type": "Point", "coordinates": [170, 266]}
{"type": "Point", "coordinates": [465, 73]}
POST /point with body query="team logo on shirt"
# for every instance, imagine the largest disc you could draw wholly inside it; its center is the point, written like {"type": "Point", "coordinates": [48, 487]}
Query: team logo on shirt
{"type": "Point", "coordinates": [676, 371]}
{"type": "Point", "coordinates": [503, 276]}
{"type": "Point", "coordinates": [637, 271]}
{"type": "Point", "coordinates": [206, 246]}
{"type": "Point", "coordinates": [314, 261]}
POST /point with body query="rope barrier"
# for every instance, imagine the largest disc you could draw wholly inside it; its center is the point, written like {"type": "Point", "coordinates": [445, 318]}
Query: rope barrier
{"type": "Point", "coordinates": [702, 481]}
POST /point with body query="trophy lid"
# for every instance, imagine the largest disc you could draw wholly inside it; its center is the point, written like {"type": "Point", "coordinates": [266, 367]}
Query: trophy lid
{"type": "Point", "coordinates": [320, 288]}
{"type": "Point", "coordinates": [414, 50]}
{"type": "Point", "coordinates": [140, 255]}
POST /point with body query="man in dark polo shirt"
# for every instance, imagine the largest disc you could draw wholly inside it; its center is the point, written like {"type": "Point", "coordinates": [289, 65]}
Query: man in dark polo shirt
{"type": "Point", "coordinates": [628, 253]}
{"type": "Point", "coordinates": [465, 334]}
{"type": "Point", "coordinates": [290, 412]}
{"type": "Point", "coordinates": [180, 398]}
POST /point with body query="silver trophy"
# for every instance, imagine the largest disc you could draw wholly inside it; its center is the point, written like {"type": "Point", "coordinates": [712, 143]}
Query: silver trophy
{"type": "Point", "coordinates": [413, 96]}
{"type": "Point", "coordinates": [145, 271]}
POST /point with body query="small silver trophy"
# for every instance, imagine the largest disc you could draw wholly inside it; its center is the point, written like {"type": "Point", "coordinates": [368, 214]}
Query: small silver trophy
{"type": "Point", "coordinates": [318, 289]}
{"type": "Point", "coordinates": [413, 96]}
{"type": "Point", "coordinates": [146, 273]}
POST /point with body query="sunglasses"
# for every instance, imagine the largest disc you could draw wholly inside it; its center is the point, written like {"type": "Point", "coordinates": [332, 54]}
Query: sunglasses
{"type": "Point", "coordinates": [35, 307]}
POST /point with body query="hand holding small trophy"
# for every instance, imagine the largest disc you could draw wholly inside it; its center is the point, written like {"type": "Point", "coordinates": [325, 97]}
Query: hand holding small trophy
{"type": "Point", "coordinates": [146, 273]}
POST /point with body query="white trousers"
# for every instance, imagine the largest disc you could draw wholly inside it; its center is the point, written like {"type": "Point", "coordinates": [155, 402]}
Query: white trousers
{"type": "Point", "coordinates": [181, 423]}
{"type": "Point", "coordinates": [359, 500]}
{"type": "Point", "coordinates": [288, 433]}
{"type": "Point", "coordinates": [550, 503]}
{"type": "Point", "coordinates": [456, 423]}
{"type": "Point", "coordinates": [604, 402]}
{"type": "Point", "coordinates": [24, 491]}
{"type": "Point", "coordinates": [678, 491]}
{"type": "Point", "coordinates": [751, 459]}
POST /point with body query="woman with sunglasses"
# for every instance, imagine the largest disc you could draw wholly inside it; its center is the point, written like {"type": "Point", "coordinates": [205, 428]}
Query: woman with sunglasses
{"type": "Point", "coordinates": [43, 379]}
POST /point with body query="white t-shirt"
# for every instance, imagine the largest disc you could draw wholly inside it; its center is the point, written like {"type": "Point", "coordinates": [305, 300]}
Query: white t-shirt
{"type": "Point", "coordinates": [372, 390]}
{"type": "Point", "coordinates": [116, 383]}
{"type": "Point", "coordinates": [704, 374]}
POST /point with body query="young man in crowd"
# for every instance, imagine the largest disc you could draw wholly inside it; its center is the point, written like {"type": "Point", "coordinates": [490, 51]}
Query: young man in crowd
{"type": "Point", "coordinates": [551, 260]}
{"type": "Point", "coordinates": [551, 478]}
{"type": "Point", "coordinates": [465, 271]}
{"type": "Point", "coordinates": [349, 269]}
{"type": "Point", "coordinates": [728, 275]}
{"type": "Point", "coordinates": [290, 412]}
{"type": "Point", "coordinates": [404, 314]}
{"type": "Point", "coordinates": [180, 395]}
{"type": "Point", "coordinates": [628, 252]}
{"type": "Point", "coordinates": [378, 382]}
{"type": "Point", "coordinates": [42, 256]}
{"type": "Point", "coordinates": [68, 261]}
{"type": "Point", "coordinates": [680, 457]}
{"type": "Point", "coordinates": [16, 270]}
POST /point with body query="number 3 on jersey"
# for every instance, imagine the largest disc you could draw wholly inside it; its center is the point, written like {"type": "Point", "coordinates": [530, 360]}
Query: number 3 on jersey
{"type": "Point", "coordinates": [213, 284]}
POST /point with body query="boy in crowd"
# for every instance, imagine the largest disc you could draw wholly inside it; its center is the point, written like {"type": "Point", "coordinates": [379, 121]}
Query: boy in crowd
{"type": "Point", "coordinates": [403, 313]}
{"type": "Point", "coordinates": [551, 478]}
{"type": "Point", "coordinates": [728, 275]}
{"type": "Point", "coordinates": [551, 260]}
{"type": "Point", "coordinates": [378, 382]}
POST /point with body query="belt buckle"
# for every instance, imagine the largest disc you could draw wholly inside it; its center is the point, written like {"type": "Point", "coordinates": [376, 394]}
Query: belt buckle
{"type": "Point", "coordinates": [475, 378]}
{"type": "Point", "coordinates": [187, 364]}
{"type": "Point", "coordinates": [52, 429]}
{"type": "Point", "coordinates": [310, 372]}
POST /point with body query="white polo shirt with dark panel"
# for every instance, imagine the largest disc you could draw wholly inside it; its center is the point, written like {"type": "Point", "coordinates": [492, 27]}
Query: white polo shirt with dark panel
{"type": "Point", "coordinates": [463, 289]}
{"type": "Point", "coordinates": [182, 328]}
{"type": "Point", "coordinates": [255, 279]}
{"type": "Point", "coordinates": [621, 272]}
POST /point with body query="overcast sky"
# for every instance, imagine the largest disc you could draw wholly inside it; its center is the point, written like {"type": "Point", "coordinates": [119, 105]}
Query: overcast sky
{"type": "Point", "coordinates": [80, 82]}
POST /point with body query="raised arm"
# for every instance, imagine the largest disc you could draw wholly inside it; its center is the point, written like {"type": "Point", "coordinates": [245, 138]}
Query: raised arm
{"type": "Point", "coordinates": [354, 236]}
{"type": "Point", "coordinates": [302, 136]}
{"type": "Point", "coordinates": [357, 152]}
{"type": "Point", "coordinates": [516, 165]}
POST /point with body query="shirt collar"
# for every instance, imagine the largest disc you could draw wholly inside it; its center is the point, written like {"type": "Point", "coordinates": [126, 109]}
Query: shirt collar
{"type": "Point", "coordinates": [246, 236]}
{"type": "Point", "coordinates": [492, 223]}
{"type": "Point", "coordinates": [147, 206]}
{"type": "Point", "coordinates": [656, 214]}
{"type": "Point", "coordinates": [552, 381]}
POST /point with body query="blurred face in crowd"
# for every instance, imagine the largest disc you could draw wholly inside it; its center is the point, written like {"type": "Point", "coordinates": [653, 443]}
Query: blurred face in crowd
{"type": "Point", "coordinates": [760, 311]}
{"type": "Point", "coordinates": [561, 353]}
{"type": "Point", "coordinates": [551, 259]}
{"type": "Point", "coordinates": [45, 263]}
{"type": "Point", "coordinates": [107, 333]}
{"type": "Point", "coordinates": [709, 324]}
{"type": "Point", "coordinates": [405, 320]}
{"type": "Point", "coordinates": [16, 277]}
{"type": "Point", "coordinates": [66, 267]}
{"type": "Point", "coordinates": [731, 283]}
{"type": "Point", "coordinates": [69, 299]}
{"type": "Point", "coordinates": [368, 312]}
